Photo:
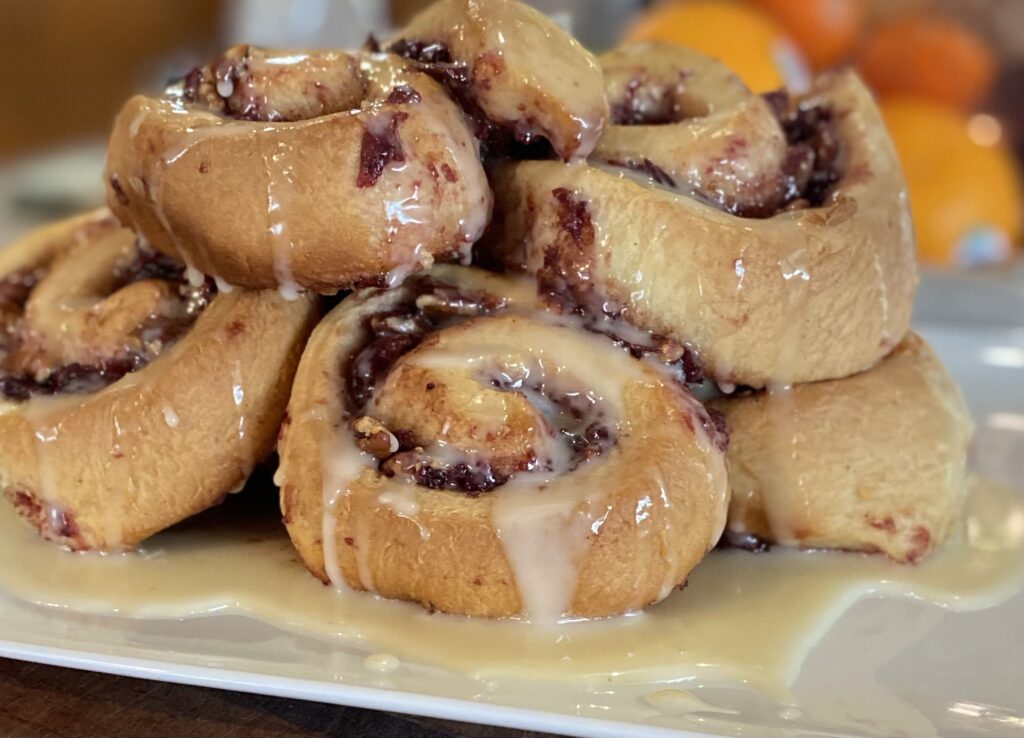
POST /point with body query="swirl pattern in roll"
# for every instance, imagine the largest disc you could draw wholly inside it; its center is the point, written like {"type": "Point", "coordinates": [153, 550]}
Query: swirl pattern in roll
{"type": "Point", "coordinates": [874, 462]}
{"type": "Point", "coordinates": [450, 442]}
{"type": "Point", "coordinates": [771, 236]}
{"type": "Point", "coordinates": [131, 397]}
{"type": "Point", "coordinates": [316, 170]}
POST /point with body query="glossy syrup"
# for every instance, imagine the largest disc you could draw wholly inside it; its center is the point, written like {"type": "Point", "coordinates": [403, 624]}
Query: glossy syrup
{"type": "Point", "coordinates": [743, 618]}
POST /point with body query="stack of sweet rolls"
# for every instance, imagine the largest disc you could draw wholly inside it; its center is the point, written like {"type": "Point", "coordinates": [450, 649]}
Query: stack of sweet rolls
{"type": "Point", "coordinates": [538, 261]}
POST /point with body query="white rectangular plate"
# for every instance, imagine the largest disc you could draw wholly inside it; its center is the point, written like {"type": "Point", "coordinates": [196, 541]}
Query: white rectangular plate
{"type": "Point", "coordinates": [889, 666]}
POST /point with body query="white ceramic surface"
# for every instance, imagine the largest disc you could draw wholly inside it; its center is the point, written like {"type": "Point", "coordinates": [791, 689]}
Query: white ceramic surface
{"type": "Point", "coordinates": [887, 667]}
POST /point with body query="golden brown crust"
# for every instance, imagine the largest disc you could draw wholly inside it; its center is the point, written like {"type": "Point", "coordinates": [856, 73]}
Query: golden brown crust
{"type": "Point", "coordinates": [320, 203]}
{"type": "Point", "coordinates": [874, 462]}
{"type": "Point", "coordinates": [653, 498]}
{"type": "Point", "coordinates": [106, 469]}
{"type": "Point", "coordinates": [809, 294]}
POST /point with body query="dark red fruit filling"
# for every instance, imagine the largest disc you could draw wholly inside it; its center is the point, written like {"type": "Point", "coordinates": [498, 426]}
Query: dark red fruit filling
{"type": "Point", "coordinates": [497, 139]}
{"type": "Point", "coordinates": [378, 149]}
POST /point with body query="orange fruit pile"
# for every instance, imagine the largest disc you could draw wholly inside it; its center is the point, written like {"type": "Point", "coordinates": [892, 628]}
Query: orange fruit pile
{"type": "Point", "coordinates": [930, 57]}
{"type": "Point", "coordinates": [966, 197]}
{"type": "Point", "coordinates": [753, 45]}
{"type": "Point", "coordinates": [827, 31]}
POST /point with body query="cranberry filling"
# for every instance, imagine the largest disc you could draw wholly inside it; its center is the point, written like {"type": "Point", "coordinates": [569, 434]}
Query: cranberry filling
{"type": "Point", "coordinates": [564, 279]}
{"type": "Point", "coordinates": [119, 193]}
{"type": "Point", "coordinates": [391, 334]}
{"type": "Point", "coordinates": [640, 106]}
{"type": "Point", "coordinates": [645, 166]}
{"type": "Point", "coordinates": [471, 478]}
{"type": "Point", "coordinates": [386, 347]}
{"type": "Point", "coordinates": [429, 305]}
{"type": "Point", "coordinates": [813, 162]}
{"type": "Point", "coordinates": [16, 287]}
{"type": "Point", "coordinates": [717, 428]}
{"type": "Point", "coordinates": [497, 139]}
{"type": "Point", "coordinates": [623, 114]}
{"type": "Point", "coordinates": [403, 95]}
{"type": "Point", "coordinates": [241, 103]}
{"type": "Point", "coordinates": [150, 264]}
{"type": "Point", "coordinates": [70, 379]}
{"type": "Point", "coordinates": [378, 149]}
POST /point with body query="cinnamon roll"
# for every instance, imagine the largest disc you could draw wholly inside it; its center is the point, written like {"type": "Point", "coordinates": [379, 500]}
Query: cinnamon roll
{"type": "Point", "coordinates": [317, 170]}
{"type": "Point", "coordinates": [131, 398]}
{"type": "Point", "coordinates": [687, 122]}
{"type": "Point", "coordinates": [451, 443]}
{"type": "Point", "coordinates": [874, 462]}
{"type": "Point", "coordinates": [518, 75]}
{"type": "Point", "coordinates": [770, 236]}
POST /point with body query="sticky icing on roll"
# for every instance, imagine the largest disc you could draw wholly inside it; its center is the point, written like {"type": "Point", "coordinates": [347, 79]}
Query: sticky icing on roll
{"type": "Point", "coordinates": [772, 237]}
{"type": "Point", "coordinates": [311, 170]}
{"type": "Point", "coordinates": [131, 398]}
{"type": "Point", "coordinates": [452, 443]}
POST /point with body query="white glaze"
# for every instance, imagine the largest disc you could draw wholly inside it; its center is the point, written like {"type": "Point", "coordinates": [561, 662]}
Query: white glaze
{"type": "Point", "coordinates": [46, 435]}
{"type": "Point", "coordinates": [545, 518]}
{"type": "Point", "coordinates": [342, 462]}
{"type": "Point", "coordinates": [745, 619]}
{"type": "Point", "coordinates": [883, 297]}
{"type": "Point", "coordinates": [248, 460]}
{"type": "Point", "coordinates": [194, 276]}
{"type": "Point", "coordinates": [381, 662]}
{"type": "Point", "coordinates": [171, 418]}
{"type": "Point", "coordinates": [543, 531]}
{"type": "Point", "coordinates": [280, 189]}
{"type": "Point", "coordinates": [681, 702]}
{"type": "Point", "coordinates": [403, 501]}
{"type": "Point", "coordinates": [225, 87]}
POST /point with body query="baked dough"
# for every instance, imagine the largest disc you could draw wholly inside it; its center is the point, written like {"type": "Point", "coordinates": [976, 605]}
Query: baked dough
{"type": "Point", "coordinates": [689, 121]}
{"type": "Point", "coordinates": [507, 463]}
{"type": "Point", "coordinates": [105, 464]}
{"type": "Point", "coordinates": [514, 71]}
{"type": "Point", "coordinates": [809, 293]}
{"type": "Point", "coordinates": [315, 170]}
{"type": "Point", "coordinates": [874, 462]}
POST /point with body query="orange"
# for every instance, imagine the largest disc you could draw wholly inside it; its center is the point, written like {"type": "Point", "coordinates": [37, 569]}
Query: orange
{"type": "Point", "coordinates": [825, 30]}
{"type": "Point", "coordinates": [965, 197]}
{"type": "Point", "coordinates": [930, 57]}
{"type": "Point", "coordinates": [749, 42]}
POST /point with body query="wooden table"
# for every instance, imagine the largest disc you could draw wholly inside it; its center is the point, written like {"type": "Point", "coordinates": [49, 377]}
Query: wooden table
{"type": "Point", "coordinates": [40, 700]}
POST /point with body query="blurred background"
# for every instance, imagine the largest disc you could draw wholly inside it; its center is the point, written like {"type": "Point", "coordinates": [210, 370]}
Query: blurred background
{"type": "Point", "coordinates": [949, 75]}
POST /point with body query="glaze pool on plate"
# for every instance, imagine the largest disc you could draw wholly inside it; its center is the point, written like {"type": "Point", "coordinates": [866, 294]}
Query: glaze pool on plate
{"type": "Point", "coordinates": [744, 619]}
{"type": "Point", "coordinates": [886, 666]}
